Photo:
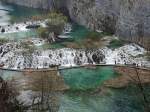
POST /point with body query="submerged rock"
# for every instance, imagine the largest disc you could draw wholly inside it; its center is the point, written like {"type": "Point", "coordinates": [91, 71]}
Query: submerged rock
{"type": "Point", "coordinates": [3, 30]}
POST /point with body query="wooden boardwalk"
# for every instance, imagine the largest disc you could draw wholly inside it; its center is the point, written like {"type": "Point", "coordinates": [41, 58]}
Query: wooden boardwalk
{"type": "Point", "coordinates": [109, 65]}
{"type": "Point", "coordinates": [31, 69]}
{"type": "Point", "coordinates": [78, 66]}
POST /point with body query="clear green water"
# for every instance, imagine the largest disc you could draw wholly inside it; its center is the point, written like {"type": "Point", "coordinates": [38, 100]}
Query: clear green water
{"type": "Point", "coordinates": [20, 13]}
{"type": "Point", "coordinates": [85, 78]}
{"type": "Point", "coordinates": [78, 33]}
{"type": "Point", "coordinates": [19, 35]}
{"type": "Point", "coordinates": [17, 14]}
{"type": "Point", "coordinates": [127, 99]}
{"type": "Point", "coordinates": [124, 100]}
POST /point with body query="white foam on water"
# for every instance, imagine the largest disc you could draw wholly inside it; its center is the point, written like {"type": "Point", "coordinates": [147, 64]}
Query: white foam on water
{"type": "Point", "coordinates": [13, 57]}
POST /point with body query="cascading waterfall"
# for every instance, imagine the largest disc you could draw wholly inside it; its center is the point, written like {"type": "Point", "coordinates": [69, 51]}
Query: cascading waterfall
{"type": "Point", "coordinates": [13, 56]}
{"type": "Point", "coordinates": [45, 59]}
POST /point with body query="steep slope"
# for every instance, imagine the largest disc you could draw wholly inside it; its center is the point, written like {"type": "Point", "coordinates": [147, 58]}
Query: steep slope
{"type": "Point", "coordinates": [128, 19]}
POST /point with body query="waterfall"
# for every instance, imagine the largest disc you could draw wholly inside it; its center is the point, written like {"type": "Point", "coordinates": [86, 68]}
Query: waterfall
{"type": "Point", "coordinates": [12, 56]}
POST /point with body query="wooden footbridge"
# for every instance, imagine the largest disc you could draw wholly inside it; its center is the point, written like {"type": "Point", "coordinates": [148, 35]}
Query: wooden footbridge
{"type": "Point", "coordinates": [56, 68]}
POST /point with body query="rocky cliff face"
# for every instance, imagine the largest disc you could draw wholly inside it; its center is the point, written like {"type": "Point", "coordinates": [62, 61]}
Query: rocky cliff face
{"type": "Point", "coordinates": [128, 19]}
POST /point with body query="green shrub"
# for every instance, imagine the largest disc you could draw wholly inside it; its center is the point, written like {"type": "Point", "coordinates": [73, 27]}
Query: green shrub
{"type": "Point", "coordinates": [94, 35]}
{"type": "Point", "coordinates": [43, 32]}
{"type": "Point", "coordinates": [116, 43]}
{"type": "Point", "coordinates": [56, 22]}
{"type": "Point", "coordinates": [55, 18]}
